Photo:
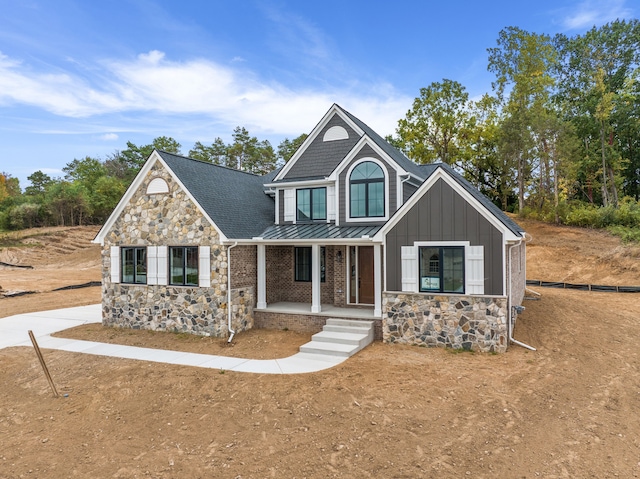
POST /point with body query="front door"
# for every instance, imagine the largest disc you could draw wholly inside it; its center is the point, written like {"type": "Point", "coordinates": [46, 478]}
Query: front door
{"type": "Point", "coordinates": [365, 274]}
{"type": "Point", "coordinates": [361, 275]}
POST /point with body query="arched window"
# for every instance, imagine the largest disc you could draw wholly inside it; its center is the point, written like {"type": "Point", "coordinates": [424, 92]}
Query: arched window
{"type": "Point", "coordinates": [366, 191]}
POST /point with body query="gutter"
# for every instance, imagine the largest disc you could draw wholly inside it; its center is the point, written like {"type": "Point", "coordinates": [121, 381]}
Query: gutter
{"type": "Point", "coordinates": [229, 312]}
{"type": "Point", "coordinates": [511, 309]}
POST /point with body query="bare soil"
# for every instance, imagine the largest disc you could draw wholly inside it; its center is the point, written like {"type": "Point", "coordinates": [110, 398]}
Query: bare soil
{"type": "Point", "coordinates": [568, 410]}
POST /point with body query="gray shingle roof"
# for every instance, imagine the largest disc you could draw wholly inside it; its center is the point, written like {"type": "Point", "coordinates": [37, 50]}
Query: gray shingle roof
{"type": "Point", "coordinates": [486, 202]}
{"type": "Point", "coordinates": [317, 231]}
{"type": "Point", "coordinates": [233, 199]}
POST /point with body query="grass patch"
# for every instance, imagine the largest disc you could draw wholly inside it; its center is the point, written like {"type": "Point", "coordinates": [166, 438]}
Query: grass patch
{"type": "Point", "coordinates": [628, 234]}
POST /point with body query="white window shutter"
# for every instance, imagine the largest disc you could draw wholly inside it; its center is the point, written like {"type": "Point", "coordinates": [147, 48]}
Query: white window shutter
{"type": "Point", "coordinates": [152, 265]}
{"type": "Point", "coordinates": [204, 266]}
{"type": "Point", "coordinates": [290, 205]}
{"type": "Point", "coordinates": [115, 264]}
{"type": "Point", "coordinates": [162, 266]}
{"type": "Point", "coordinates": [409, 269]}
{"type": "Point", "coordinates": [474, 270]}
{"type": "Point", "coordinates": [331, 203]}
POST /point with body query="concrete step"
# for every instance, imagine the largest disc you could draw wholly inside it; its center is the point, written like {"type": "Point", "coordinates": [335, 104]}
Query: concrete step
{"type": "Point", "coordinates": [340, 338]}
{"type": "Point", "coordinates": [329, 349]}
{"type": "Point", "coordinates": [349, 322]}
{"type": "Point", "coordinates": [355, 339]}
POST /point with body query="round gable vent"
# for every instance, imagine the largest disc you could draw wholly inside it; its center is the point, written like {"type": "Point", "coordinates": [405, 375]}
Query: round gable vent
{"type": "Point", "coordinates": [335, 133]}
{"type": "Point", "coordinates": [157, 186]}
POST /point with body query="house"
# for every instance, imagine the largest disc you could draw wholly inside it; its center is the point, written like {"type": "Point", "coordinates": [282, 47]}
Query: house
{"type": "Point", "coordinates": [348, 228]}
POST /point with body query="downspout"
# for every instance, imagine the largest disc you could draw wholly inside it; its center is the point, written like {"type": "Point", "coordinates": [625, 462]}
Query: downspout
{"type": "Point", "coordinates": [511, 308]}
{"type": "Point", "coordinates": [229, 312]}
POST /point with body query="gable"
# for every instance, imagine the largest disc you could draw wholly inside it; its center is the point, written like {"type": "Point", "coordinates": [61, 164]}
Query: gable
{"type": "Point", "coordinates": [151, 218]}
{"type": "Point", "coordinates": [441, 214]}
{"type": "Point", "coordinates": [325, 151]}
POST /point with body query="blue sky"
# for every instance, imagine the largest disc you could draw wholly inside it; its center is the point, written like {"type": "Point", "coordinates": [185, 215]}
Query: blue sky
{"type": "Point", "coordinates": [81, 78]}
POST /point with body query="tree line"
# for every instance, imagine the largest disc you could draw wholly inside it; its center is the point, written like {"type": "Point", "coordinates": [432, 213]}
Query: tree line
{"type": "Point", "coordinates": [557, 138]}
{"type": "Point", "coordinates": [91, 187]}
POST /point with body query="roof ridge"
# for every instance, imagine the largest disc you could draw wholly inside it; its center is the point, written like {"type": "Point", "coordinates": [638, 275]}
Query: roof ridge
{"type": "Point", "coordinates": [209, 163]}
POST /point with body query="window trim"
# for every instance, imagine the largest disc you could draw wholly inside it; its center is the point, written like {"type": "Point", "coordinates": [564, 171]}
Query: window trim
{"type": "Point", "coordinates": [135, 249]}
{"type": "Point", "coordinates": [311, 218]}
{"type": "Point", "coordinates": [323, 263]}
{"type": "Point", "coordinates": [385, 192]}
{"type": "Point", "coordinates": [184, 266]}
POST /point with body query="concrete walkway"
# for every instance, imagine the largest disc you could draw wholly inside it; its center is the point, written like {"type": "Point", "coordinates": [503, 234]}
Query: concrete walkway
{"type": "Point", "coordinates": [14, 332]}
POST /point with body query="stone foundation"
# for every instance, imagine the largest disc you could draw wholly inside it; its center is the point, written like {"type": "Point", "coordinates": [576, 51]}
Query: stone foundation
{"type": "Point", "coordinates": [458, 322]}
{"type": "Point", "coordinates": [176, 309]}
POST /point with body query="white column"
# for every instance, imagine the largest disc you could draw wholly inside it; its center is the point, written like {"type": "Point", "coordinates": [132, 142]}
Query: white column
{"type": "Point", "coordinates": [377, 281]}
{"type": "Point", "coordinates": [262, 277]}
{"type": "Point", "coordinates": [315, 279]}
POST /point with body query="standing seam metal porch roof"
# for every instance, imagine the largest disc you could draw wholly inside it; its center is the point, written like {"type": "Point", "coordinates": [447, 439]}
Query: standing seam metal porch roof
{"type": "Point", "coordinates": [312, 231]}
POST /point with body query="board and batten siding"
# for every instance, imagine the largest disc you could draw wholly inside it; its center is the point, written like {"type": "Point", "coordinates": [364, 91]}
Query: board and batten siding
{"type": "Point", "coordinates": [321, 157]}
{"type": "Point", "coordinates": [443, 215]}
{"type": "Point", "coordinates": [367, 152]}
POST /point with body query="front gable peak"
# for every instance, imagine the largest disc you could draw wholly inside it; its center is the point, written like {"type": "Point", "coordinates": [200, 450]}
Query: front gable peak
{"type": "Point", "coordinates": [325, 147]}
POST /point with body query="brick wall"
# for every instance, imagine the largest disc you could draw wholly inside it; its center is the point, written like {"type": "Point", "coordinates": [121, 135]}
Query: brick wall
{"type": "Point", "coordinates": [281, 284]}
{"type": "Point", "coordinates": [243, 267]}
{"type": "Point", "coordinates": [302, 323]}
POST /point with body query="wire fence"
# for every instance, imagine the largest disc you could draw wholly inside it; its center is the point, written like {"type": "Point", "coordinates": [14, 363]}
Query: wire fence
{"type": "Point", "coordinates": [584, 287]}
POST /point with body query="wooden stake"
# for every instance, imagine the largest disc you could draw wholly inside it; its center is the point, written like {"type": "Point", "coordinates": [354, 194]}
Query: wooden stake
{"type": "Point", "coordinates": [42, 363]}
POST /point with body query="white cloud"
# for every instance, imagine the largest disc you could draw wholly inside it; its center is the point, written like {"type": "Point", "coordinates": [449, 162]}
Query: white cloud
{"type": "Point", "coordinates": [109, 137]}
{"type": "Point", "coordinates": [590, 13]}
{"type": "Point", "coordinates": [228, 95]}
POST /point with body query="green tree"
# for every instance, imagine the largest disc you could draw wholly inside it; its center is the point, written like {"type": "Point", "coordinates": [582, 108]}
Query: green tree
{"type": "Point", "coordinates": [596, 74]}
{"type": "Point", "coordinates": [246, 153]}
{"type": "Point", "coordinates": [523, 63]}
{"type": "Point", "coordinates": [216, 153]}
{"type": "Point", "coordinates": [39, 183]}
{"type": "Point", "coordinates": [288, 147]}
{"type": "Point", "coordinates": [86, 171]}
{"type": "Point", "coordinates": [437, 126]}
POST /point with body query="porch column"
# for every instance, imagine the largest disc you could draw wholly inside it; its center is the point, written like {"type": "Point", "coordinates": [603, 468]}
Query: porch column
{"type": "Point", "coordinates": [377, 281]}
{"type": "Point", "coordinates": [315, 279]}
{"type": "Point", "coordinates": [262, 277]}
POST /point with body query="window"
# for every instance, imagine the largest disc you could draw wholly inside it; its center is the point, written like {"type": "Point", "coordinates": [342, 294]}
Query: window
{"type": "Point", "coordinates": [134, 265]}
{"type": "Point", "coordinates": [183, 265]}
{"type": "Point", "coordinates": [302, 267]}
{"type": "Point", "coordinates": [442, 269]}
{"type": "Point", "coordinates": [366, 191]}
{"type": "Point", "coordinates": [311, 204]}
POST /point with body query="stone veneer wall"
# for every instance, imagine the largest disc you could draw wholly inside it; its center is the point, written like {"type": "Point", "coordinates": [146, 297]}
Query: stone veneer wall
{"type": "Point", "coordinates": [172, 219]}
{"type": "Point", "coordinates": [476, 323]}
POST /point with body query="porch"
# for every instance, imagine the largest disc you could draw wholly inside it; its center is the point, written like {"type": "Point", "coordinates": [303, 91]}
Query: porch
{"type": "Point", "coordinates": [298, 317]}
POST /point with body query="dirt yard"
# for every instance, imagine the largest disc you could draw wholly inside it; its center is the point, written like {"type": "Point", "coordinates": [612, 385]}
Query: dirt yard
{"type": "Point", "coordinates": [568, 410]}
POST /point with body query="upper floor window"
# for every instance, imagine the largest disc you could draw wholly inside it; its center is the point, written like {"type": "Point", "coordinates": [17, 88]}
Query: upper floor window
{"type": "Point", "coordinates": [134, 265]}
{"type": "Point", "coordinates": [366, 193]}
{"type": "Point", "coordinates": [311, 204]}
{"type": "Point", "coordinates": [183, 265]}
